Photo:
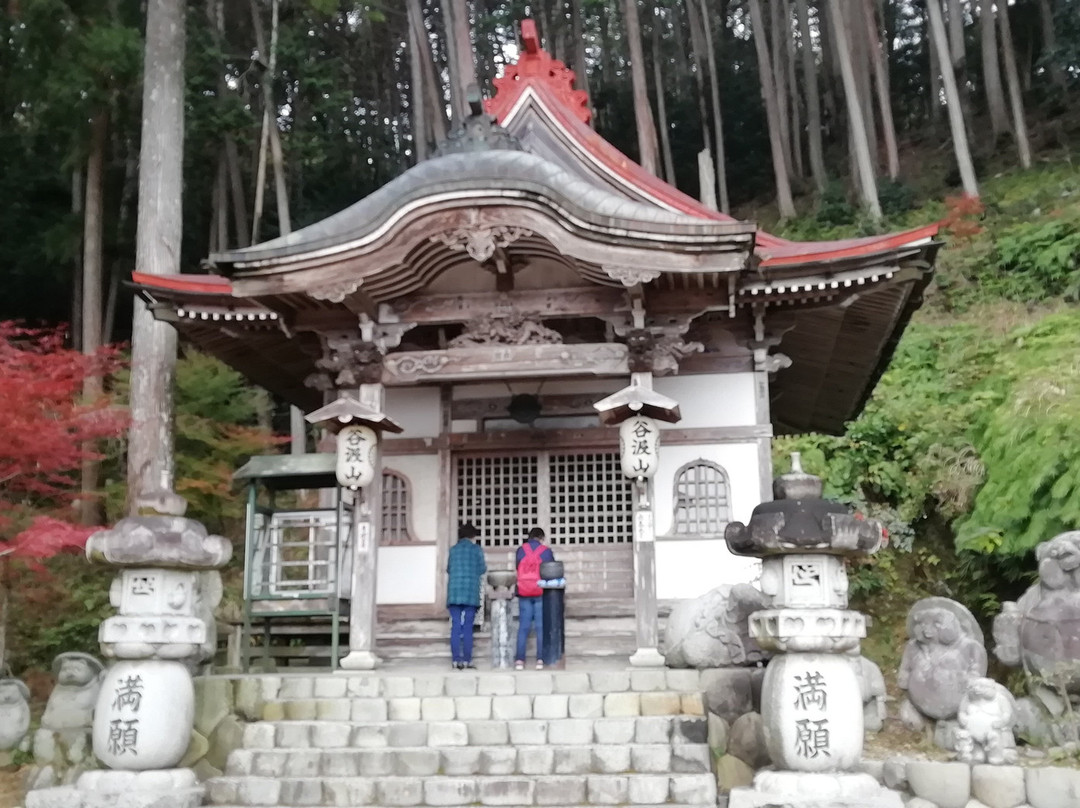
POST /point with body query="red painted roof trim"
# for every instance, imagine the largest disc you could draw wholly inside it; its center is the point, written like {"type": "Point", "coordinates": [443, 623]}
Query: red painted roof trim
{"type": "Point", "coordinates": [550, 87]}
{"type": "Point", "coordinates": [191, 284]}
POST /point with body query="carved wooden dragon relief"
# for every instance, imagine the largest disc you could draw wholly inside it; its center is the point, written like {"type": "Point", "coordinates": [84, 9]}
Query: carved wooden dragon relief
{"type": "Point", "coordinates": [513, 329]}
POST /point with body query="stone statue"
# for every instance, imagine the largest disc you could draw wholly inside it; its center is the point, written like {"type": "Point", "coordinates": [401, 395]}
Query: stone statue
{"type": "Point", "coordinates": [872, 687]}
{"type": "Point", "coordinates": [985, 718]}
{"type": "Point", "coordinates": [1041, 631]}
{"type": "Point", "coordinates": [712, 631]}
{"type": "Point", "coordinates": [62, 746]}
{"type": "Point", "coordinates": [944, 652]}
{"type": "Point", "coordinates": [14, 713]}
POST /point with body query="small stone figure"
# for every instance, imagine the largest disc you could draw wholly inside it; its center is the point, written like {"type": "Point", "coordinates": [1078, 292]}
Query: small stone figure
{"type": "Point", "coordinates": [944, 652]}
{"type": "Point", "coordinates": [985, 718]}
{"type": "Point", "coordinates": [71, 705]}
{"type": "Point", "coordinates": [712, 631]}
{"type": "Point", "coordinates": [872, 687]}
{"type": "Point", "coordinates": [62, 745]}
{"type": "Point", "coordinates": [14, 713]}
{"type": "Point", "coordinates": [1041, 631]}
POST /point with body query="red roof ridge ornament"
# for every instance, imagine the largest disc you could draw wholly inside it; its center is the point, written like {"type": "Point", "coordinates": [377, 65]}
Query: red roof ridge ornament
{"type": "Point", "coordinates": [535, 66]}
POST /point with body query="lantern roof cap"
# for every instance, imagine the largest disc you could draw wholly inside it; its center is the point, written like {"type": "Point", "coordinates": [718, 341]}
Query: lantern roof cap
{"type": "Point", "coordinates": [636, 399]}
{"type": "Point", "coordinates": [348, 411]}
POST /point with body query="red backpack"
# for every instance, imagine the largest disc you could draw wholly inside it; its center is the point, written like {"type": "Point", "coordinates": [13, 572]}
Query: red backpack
{"type": "Point", "coordinates": [528, 572]}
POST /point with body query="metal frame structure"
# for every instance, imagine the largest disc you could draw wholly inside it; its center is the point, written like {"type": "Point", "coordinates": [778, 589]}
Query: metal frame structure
{"type": "Point", "coordinates": [289, 576]}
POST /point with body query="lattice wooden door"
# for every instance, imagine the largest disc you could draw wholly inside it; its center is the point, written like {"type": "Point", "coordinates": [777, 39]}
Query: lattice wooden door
{"type": "Point", "coordinates": [581, 500]}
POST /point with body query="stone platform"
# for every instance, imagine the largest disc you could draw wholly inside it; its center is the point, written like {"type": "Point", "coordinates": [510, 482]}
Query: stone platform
{"type": "Point", "coordinates": [814, 790]}
{"type": "Point", "coordinates": [409, 736]}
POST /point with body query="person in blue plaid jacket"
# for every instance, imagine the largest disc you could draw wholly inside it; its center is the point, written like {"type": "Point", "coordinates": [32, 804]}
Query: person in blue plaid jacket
{"type": "Point", "coordinates": [464, 567]}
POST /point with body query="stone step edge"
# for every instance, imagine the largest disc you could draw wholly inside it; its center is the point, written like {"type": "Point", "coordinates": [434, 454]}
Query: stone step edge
{"type": "Point", "coordinates": [286, 686]}
{"type": "Point", "coordinates": [440, 790]}
{"type": "Point", "coordinates": [242, 762]}
{"type": "Point", "coordinates": [547, 707]}
{"type": "Point", "coordinates": [613, 805]}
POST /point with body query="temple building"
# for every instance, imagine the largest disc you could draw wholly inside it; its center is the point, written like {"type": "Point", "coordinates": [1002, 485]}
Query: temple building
{"type": "Point", "coordinates": [489, 297]}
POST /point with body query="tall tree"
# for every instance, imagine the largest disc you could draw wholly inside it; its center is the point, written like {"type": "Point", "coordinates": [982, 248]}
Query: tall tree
{"type": "Point", "coordinates": [961, 146]}
{"type": "Point", "coordinates": [646, 130]}
{"type": "Point", "coordinates": [462, 68]}
{"type": "Point", "coordinates": [581, 66]}
{"type": "Point", "coordinates": [813, 99]}
{"type": "Point", "coordinates": [995, 96]}
{"type": "Point", "coordinates": [860, 143]}
{"type": "Point", "coordinates": [768, 92]}
{"type": "Point", "coordinates": [157, 250]}
{"type": "Point", "coordinates": [717, 117]}
{"type": "Point", "coordinates": [418, 51]}
{"type": "Point", "coordinates": [661, 105]}
{"type": "Point", "coordinates": [1016, 102]}
{"type": "Point", "coordinates": [880, 65]}
{"type": "Point", "coordinates": [92, 276]}
{"type": "Point", "coordinates": [1049, 36]}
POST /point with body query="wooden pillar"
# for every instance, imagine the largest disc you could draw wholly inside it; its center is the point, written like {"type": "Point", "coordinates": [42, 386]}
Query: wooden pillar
{"type": "Point", "coordinates": [366, 528]}
{"type": "Point", "coordinates": [647, 654]}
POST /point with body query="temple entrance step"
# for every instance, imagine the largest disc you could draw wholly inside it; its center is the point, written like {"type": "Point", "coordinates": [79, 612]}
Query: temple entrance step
{"type": "Point", "coordinates": [585, 637]}
{"type": "Point", "coordinates": [594, 628]}
{"type": "Point", "coordinates": [603, 736]}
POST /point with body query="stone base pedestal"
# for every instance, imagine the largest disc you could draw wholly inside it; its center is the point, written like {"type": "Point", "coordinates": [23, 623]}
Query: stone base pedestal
{"type": "Point", "coordinates": [647, 658]}
{"type": "Point", "coordinates": [360, 661]}
{"type": "Point", "coordinates": [814, 790]}
{"type": "Point", "coordinates": [166, 788]}
{"type": "Point", "coordinates": [502, 639]}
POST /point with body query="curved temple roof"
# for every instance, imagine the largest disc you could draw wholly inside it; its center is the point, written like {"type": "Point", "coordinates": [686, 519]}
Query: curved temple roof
{"type": "Point", "coordinates": [571, 196]}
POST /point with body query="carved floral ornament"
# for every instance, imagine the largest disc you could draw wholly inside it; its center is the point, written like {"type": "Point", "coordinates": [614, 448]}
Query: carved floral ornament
{"type": "Point", "coordinates": [480, 242]}
{"type": "Point", "coordinates": [336, 292]}
{"type": "Point", "coordinates": [513, 329]}
{"type": "Point", "coordinates": [630, 276]}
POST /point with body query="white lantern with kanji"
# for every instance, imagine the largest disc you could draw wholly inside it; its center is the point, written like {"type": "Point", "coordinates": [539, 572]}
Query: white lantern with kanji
{"type": "Point", "coordinates": [356, 447]}
{"type": "Point", "coordinates": [639, 447]}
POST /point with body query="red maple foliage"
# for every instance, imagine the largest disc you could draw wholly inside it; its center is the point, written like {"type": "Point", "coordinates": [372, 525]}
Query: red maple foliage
{"type": "Point", "coordinates": [47, 430]}
{"type": "Point", "coordinates": [964, 214]}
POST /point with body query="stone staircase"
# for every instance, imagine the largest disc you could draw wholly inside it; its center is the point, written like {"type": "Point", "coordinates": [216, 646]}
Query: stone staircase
{"type": "Point", "coordinates": [561, 738]}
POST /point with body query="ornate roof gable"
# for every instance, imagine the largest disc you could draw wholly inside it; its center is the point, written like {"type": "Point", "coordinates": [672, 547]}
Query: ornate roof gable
{"type": "Point", "coordinates": [536, 66]}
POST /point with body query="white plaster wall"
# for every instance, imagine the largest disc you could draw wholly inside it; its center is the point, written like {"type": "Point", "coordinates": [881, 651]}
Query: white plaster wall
{"type": "Point", "coordinates": [711, 399]}
{"type": "Point", "coordinates": [416, 409]}
{"type": "Point", "coordinates": [687, 569]}
{"type": "Point", "coordinates": [406, 574]}
{"type": "Point", "coordinates": [422, 472]}
{"type": "Point", "coordinates": [739, 460]}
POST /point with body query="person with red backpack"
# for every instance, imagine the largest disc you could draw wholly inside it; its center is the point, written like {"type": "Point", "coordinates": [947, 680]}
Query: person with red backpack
{"type": "Point", "coordinates": [530, 555]}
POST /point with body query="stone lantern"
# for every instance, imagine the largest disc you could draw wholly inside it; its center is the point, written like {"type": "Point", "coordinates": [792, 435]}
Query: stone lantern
{"type": "Point", "coordinates": [358, 425]}
{"type": "Point", "coordinates": [811, 702]}
{"type": "Point", "coordinates": [165, 595]}
{"type": "Point", "coordinates": [637, 409]}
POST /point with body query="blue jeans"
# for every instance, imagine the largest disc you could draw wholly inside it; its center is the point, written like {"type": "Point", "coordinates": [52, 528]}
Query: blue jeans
{"type": "Point", "coordinates": [461, 632]}
{"type": "Point", "coordinates": [530, 613]}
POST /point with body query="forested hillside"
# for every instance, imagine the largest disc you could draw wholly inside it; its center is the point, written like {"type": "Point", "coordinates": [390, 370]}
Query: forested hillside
{"type": "Point", "coordinates": [820, 119]}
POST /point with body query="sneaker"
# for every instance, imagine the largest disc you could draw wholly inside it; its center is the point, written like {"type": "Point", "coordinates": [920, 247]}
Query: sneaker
{"type": "Point", "coordinates": [469, 666]}
{"type": "Point", "coordinates": [459, 665]}
{"type": "Point", "coordinates": [519, 665]}
{"type": "Point", "coordinates": [539, 664]}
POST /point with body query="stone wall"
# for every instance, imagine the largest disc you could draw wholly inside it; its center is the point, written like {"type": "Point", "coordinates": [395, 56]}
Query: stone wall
{"type": "Point", "coordinates": [934, 784]}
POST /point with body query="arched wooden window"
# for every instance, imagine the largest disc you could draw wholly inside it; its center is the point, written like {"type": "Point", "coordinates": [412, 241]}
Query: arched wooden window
{"type": "Point", "coordinates": [395, 509]}
{"type": "Point", "coordinates": [702, 500]}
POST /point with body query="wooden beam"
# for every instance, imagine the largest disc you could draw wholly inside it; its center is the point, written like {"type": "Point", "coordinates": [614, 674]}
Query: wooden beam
{"type": "Point", "coordinates": [505, 362]}
{"type": "Point", "coordinates": [436, 309]}
{"type": "Point", "coordinates": [585, 438]}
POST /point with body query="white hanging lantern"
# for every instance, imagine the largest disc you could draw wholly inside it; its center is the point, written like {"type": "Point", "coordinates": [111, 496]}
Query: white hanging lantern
{"type": "Point", "coordinates": [356, 446]}
{"type": "Point", "coordinates": [639, 447]}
